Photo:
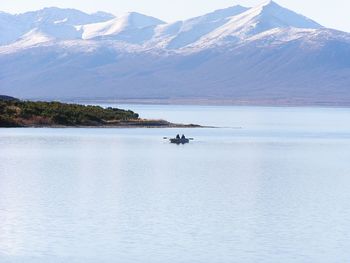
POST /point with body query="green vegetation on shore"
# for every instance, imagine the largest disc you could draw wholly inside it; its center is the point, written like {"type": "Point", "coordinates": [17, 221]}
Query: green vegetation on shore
{"type": "Point", "coordinates": [17, 113]}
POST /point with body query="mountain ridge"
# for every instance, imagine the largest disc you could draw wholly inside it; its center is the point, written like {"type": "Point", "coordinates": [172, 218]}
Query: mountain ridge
{"type": "Point", "coordinates": [263, 53]}
{"type": "Point", "coordinates": [221, 23]}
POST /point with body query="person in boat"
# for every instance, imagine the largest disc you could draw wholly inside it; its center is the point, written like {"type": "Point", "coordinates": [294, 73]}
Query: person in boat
{"type": "Point", "coordinates": [178, 137]}
{"type": "Point", "coordinates": [183, 137]}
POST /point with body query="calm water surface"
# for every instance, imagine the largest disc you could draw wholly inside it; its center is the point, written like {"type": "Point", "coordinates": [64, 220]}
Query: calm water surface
{"type": "Point", "coordinates": [273, 185]}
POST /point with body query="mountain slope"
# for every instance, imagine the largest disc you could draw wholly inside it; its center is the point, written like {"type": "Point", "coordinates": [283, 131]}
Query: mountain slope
{"type": "Point", "coordinates": [182, 33]}
{"type": "Point", "coordinates": [10, 28]}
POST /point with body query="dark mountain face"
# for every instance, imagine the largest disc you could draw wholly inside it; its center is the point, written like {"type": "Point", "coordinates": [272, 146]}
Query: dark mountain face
{"type": "Point", "coordinates": [7, 98]}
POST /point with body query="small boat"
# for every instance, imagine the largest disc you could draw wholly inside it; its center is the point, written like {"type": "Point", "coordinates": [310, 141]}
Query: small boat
{"type": "Point", "coordinates": [179, 140]}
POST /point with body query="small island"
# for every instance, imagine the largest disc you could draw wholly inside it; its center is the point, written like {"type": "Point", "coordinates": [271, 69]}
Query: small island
{"type": "Point", "coordinates": [19, 113]}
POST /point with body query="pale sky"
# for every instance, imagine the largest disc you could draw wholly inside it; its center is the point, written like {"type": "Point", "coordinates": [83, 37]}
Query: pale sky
{"type": "Point", "coordinates": [330, 13]}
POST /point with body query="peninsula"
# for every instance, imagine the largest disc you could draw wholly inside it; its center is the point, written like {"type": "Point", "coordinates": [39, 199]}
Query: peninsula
{"type": "Point", "coordinates": [18, 113]}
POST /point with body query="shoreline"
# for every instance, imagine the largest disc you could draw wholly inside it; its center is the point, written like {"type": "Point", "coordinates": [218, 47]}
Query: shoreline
{"type": "Point", "coordinates": [15, 113]}
{"type": "Point", "coordinates": [148, 124]}
{"type": "Point", "coordinates": [121, 126]}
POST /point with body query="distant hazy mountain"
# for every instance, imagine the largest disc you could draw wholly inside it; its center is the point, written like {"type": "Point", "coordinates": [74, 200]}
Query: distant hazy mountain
{"type": "Point", "coordinates": [264, 55]}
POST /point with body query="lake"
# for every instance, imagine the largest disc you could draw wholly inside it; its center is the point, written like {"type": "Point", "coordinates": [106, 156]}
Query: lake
{"type": "Point", "coordinates": [270, 185]}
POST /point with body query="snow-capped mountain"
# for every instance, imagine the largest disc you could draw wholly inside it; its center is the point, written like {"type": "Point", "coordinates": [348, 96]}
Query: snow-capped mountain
{"type": "Point", "coordinates": [230, 25]}
{"type": "Point", "coordinates": [52, 22]}
{"type": "Point", "coordinates": [264, 54]}
{"type": "Point", "coordinates": [262, 18]}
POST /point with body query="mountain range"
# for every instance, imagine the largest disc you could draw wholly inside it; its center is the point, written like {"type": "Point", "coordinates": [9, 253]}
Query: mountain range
{"type": "Point", "coordinates": [261, 55]}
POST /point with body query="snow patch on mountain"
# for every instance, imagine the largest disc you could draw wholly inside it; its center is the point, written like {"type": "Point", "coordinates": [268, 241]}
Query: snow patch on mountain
{"type": "Point", "coordinates": [125, 26]}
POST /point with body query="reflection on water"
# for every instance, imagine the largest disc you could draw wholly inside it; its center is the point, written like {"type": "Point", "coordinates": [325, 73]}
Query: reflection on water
{"type": "Point", "coordinates": [273, 190]}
